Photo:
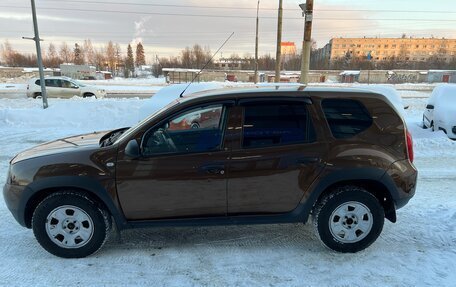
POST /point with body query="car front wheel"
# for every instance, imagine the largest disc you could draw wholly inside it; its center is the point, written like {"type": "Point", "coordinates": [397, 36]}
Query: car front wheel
{"type": "Point", "coordinates": [70, 224]}
{"type": "Point", "coordinates": [349, 219]}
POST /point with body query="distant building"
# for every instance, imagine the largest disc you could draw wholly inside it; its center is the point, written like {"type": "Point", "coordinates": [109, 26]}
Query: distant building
{"type": "Point", "coordinates": [79, 72]}
{"type": "Point", "coordinates": [383, 49]}
{"type": "Point", "coordinates": [231, 63]}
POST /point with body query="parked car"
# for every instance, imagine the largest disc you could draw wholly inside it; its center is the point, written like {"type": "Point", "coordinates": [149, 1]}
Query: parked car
{"type": "Point", "coordinates": [63, 87]}
{"type": "Point", "coordinates": [271, 155]}
{"type": "Point", "coordinates": [440, 110]}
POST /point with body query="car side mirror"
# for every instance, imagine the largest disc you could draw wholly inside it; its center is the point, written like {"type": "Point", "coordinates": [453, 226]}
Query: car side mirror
{"type": "Point", "coordinates": [132, 149]}
{"type": "Point", "coordinates": [430, 107]}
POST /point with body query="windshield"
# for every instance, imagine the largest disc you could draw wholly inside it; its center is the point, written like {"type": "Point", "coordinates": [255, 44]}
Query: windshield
{"type": "Point", "coordinates": [78, 83]}
{"type": "Point", "coordinates": [132, 130]}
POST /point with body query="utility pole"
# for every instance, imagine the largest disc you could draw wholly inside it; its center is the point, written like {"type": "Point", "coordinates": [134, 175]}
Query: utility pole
{"type": "Point", "coordinates": [279, 42]}
{"type": "Point", "coordinates": [255, 76]}
{"type": "Point", "coordinates": [307, 12]}
{"type": "Point", "coordinates": [38, 55]}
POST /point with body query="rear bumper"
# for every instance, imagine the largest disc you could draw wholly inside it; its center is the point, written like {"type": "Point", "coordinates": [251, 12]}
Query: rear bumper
{"type": "Point", "coordinates": [404, 176]}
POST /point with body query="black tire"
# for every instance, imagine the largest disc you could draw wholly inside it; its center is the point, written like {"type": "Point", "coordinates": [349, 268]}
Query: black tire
{"type": "Point", "coordinates": [423, 125]}
{"type": "Point", "coordinates": [326, 219]}
{"type": "Point", "coordinates": [37, 95]}
{"type": "Point", "coordinates": [432, 126]}
{"type": "Point", "coordinates": [89, 95]}
{"type": "Point", "coordinates": [62, 208]}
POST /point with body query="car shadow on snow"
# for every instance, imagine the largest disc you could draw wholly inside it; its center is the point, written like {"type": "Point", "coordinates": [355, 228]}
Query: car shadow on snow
{"type": "Point", "coordinates": [244, 236]}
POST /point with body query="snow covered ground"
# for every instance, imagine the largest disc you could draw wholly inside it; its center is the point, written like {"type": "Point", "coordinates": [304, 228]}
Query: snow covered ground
{"type": "Point", "coordinates": [418, 250]}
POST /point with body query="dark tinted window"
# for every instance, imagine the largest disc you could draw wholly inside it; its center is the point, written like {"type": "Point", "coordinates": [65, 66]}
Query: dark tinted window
{"type": "Point", "coordinates": [272, 124]}
{"type": "Point", "coordinates": [52, 83]}
{"type": "Point", "coordinates": [346, 118]}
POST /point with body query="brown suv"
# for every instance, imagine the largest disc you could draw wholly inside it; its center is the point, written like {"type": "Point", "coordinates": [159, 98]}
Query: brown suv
{"type": "Point", "coordinates": [270, 155]}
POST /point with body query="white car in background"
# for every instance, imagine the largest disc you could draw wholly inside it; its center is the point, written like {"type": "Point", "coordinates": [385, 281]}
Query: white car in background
{"type": "Point", "coordinates": [440, 111]}
{"type": "Point", "coordinates": [63, 87]}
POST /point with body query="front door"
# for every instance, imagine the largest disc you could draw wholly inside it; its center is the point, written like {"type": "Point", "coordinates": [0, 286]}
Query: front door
{"type": "Point", "coordinates": [277, 159]}
{"type": "Point", "coordinates": [181, 172]}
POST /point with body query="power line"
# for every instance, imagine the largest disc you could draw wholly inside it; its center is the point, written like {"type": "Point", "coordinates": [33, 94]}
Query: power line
{"type": "Point", "coordinates": [231, 16]}
{"type": "Point", "coordinates": [247, 8]}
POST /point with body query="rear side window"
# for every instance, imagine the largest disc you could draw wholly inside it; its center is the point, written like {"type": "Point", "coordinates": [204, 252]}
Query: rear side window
{"type": "Point", "coordinates": [346, 118]}
{"type": "Point", "coordinates": [274, 124]}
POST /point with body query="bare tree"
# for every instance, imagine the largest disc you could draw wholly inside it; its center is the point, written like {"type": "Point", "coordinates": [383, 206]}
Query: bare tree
{"type": "Point", "coordinates": [187, 58]}
{"type": "Point", "coordinates": [89, 53]}
{"type": "Point", "coordinates": [111, 56]}
{"type": "Point", "coordinates": [52, 59]}
{"type": "Point", "coordinates": [65, 53]}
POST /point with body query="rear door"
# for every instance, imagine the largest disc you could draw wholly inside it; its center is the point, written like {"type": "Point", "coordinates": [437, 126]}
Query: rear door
{"type": "Point", "coordinates": [276, 159]}
{"type": "Point", "coordinates": [52, 87]}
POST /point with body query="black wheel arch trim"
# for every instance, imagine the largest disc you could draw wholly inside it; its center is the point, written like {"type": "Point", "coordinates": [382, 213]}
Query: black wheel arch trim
{"type": "Point", "coordinates": [88, 184]}
{"type": "Point", "coordinates": [347, 175]}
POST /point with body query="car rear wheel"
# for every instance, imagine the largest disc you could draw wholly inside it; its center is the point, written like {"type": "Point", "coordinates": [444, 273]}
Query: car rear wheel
{"type": "Point", "coordinates": [70, 224]}
{"type": "Point", "coordinates": [37, 95]}
{"type": "Point", "coordinates": [423, 124]}
{"type": "Point", "coordinates": [349, 219]}
{"type": "Point", "coordinates": [89, 95]}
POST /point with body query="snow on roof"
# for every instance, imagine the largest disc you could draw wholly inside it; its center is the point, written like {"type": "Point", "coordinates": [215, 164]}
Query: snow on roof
{"type": "Point", "coordinates": [389, 92]}
{"type": "Point", "coordinates": [442, 71]}
{"type": "Point", "coordinates": [172, 92]}
{"type": "Point", "coordinates": [350, 73]}
{"type": "Point", "coordinates": [31, 70]}
{"type": "Point", "coordinates": [181, 70]}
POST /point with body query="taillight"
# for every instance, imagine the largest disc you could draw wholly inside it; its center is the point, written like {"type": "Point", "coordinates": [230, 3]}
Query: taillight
{"type": "Point", "coordinates": [409, 146]}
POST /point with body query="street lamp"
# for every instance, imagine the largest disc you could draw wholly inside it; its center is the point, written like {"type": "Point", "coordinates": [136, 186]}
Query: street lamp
{"type": "Point", "coordinates": [307, 13]}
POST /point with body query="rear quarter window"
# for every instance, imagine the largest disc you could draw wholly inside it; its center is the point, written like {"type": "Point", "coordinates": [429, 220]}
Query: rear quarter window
{"type": "Point", "coordinates": [346, 118]}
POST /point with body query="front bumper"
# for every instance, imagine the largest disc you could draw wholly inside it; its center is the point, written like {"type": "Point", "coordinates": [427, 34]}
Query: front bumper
{"type": "Point", "coordinates": [12, 195]}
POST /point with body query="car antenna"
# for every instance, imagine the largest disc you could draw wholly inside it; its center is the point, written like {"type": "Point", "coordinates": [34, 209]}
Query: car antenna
{"type": "Point", "coordinates": [197, 74]}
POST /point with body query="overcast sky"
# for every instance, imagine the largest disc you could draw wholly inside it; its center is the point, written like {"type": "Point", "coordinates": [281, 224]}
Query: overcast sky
{"type": "Point", "coordinates": [209, 23]}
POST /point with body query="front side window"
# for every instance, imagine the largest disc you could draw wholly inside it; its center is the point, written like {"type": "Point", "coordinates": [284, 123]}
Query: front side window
{"type": "Point", "coordinates": [197, 130]}
{"type": "Point", "coordinates": [275, 124]}
{"type": "Point", "coordinates": [346, 118]}
{"type": "Point", "coordinates": [66, 84]}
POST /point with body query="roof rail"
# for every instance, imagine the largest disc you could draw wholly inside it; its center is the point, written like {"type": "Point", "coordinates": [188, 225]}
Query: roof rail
{"type": "Point", "coordinates": [281, 85]}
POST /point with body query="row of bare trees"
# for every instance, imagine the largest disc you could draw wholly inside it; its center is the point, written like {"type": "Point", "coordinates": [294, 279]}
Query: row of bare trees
{"type": "Point", "coordinates": [107, 57]}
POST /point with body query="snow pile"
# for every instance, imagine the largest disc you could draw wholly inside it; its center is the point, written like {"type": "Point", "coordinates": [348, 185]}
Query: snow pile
{"type": "Point", "coordinates": [170, 93]}
{"type": "Point", "coordinates": [87, 114]}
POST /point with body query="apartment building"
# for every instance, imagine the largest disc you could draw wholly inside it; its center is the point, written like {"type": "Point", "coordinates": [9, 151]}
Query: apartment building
{"type": "Point", "coordinates": [400, 49]}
